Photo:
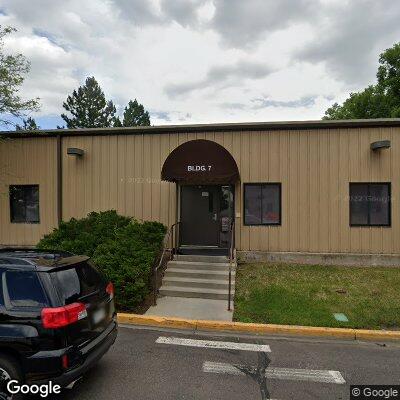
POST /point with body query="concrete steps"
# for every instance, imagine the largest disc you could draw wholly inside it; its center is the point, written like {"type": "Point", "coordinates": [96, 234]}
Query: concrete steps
{"type": "Point", "coordinates": [201, 273]}
{"type": "Point", "coordinates": [197, 282]}
{"type": "Point", "coordinates": [206, 259]}
{"type": "Point", "coordinates": [195, 265]}
{"type": "Point", "coordinates": [205, 277]}
{"type": "Point", "coordinates": [202, 293]}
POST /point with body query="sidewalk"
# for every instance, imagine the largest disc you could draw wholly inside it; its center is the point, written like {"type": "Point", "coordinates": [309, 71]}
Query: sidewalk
{"type": "Point", "coordinates": [191, 308]}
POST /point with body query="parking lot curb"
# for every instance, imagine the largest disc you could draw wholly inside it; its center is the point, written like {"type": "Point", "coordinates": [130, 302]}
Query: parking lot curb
{"type": "Point", "coordinates": [365, 334]}
{"type": "Point", "coordinates": [153, 320]}
{"type": "Point", "coordinates": [265, 329]}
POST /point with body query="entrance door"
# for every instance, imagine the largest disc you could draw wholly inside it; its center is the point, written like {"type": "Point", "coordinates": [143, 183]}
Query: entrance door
{"type": "Point", "coordinates": [206, 215]}
{"type": "Point", "coordinates": [200, 215]}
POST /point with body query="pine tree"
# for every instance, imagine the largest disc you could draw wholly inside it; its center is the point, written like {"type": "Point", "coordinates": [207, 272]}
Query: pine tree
{"type": "Point", "coordinates": [29, 124]}
{"type": "Point", "coordinates": [89, 107]}
{"type": "Point", "coordinates": [117, 122]}
{"type": "Point", "coordinates": [135, 115]}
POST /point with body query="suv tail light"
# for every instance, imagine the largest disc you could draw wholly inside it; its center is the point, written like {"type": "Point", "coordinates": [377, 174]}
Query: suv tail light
{"type": "Point", "coordinates": [62, 316]}
{"type": "Point", "coordinates": [110, 290]}
{"type": "Point", "coordinates": [65, 361]}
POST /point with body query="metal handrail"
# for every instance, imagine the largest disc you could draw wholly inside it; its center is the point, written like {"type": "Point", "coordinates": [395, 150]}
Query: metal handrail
{"type": "Point", "coordinates": [172, 233]}
{"type": "Point", "coordinates": [231, 258]}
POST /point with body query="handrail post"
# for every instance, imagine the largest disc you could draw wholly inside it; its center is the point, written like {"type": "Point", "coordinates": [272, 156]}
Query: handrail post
{"type": "Point", "coordinates": [169, 236]}
{"type": "Point", "coordinates": [155, 288]}
{"type": "Point", "coordinates": [230, 283]}
{"type": "Point", "coordinates": [230, 263]}
{"type": "Point", "coordinates": [171, 256]}
{"type": "Point", "coordinates": [177, 236]}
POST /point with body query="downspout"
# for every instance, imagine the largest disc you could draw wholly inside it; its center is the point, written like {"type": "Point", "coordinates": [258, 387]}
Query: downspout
{"type": "Point", "coordinates": [59, 179]}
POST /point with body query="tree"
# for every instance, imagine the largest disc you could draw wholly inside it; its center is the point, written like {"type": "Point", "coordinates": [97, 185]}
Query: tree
{"type": "Point", "coordinates": [389, 77]}
{"type": "Point", "coordinates": [370, 103]}
{"type": "Point", "coordinates": [89, 107]}
{"type": "Point", "coordinates": [13, 69]}
{"type": "Point", "coordinates": [135, 115]}
{"type": "Point", "coordinates": [376, 101]}
{"type": "Point", "coordinates": [29, 124]}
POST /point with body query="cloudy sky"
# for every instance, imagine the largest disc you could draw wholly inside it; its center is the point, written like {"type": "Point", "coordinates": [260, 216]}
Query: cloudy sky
{"type": "Point", "coordinates": [201, 61]}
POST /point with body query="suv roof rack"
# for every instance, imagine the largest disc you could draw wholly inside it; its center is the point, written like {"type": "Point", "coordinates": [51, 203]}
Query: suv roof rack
{"type": "Point", "coordinates": [45, 260]}
{"type": "Point", "coordinates": [27, 252]}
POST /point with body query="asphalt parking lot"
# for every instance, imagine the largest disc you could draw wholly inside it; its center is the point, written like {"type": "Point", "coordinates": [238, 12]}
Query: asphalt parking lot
{"type": "Point", "coordinates": [162, 364]}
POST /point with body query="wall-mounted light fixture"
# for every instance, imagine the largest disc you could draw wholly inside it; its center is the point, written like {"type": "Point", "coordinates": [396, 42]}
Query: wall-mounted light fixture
{"type": "Point", "coordinates": [73, 151]}
{"type": "Point", "coordinates": [381, 144]}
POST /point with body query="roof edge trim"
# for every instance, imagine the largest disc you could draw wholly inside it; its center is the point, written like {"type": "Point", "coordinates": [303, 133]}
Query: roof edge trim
{"type": "Point", "coordinates": [224, 127]}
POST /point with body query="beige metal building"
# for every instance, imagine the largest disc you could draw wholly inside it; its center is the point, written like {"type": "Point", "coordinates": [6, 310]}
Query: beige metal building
{"type": "Point", "coordinates": [291, 187]}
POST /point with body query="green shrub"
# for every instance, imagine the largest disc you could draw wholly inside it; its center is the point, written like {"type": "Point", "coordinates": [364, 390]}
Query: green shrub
{"type": "Point", "coordinates": [127, 260]}
{"type": "Point", "coordinates": [122, 248]}
{"type": "Point", "coordinates": [82, 236]}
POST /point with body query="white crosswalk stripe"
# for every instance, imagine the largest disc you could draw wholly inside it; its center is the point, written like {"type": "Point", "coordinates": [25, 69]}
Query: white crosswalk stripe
{"type": "Point", "coordinates": [324, 376]}
{"type": "Point", "coordinates": [291, 374]}
{"type": "Point", "coordinates": [212, 344]}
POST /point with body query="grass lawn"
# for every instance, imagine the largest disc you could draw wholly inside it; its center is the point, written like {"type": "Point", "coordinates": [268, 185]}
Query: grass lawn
{"type": "Point", "coordinates": [309, 295]}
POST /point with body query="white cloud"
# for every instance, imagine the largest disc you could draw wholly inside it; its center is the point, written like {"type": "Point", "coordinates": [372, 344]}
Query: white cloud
{"type": "Point", "coordinates": [246, 23]}
{"type": "Point", "coordinates": [221, 76]}
{"type": "Point", "coordinates": [351, 36]}
{"type": "Point", "coordinates": [203, 60]}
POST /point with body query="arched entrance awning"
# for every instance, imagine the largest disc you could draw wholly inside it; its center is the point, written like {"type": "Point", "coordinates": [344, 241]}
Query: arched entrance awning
{"type": "Point", "coordinates": [200, 162]}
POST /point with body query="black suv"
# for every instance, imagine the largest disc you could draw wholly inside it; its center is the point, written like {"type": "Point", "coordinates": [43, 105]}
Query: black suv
{"type": "Point", "coordinates": [57, 316]}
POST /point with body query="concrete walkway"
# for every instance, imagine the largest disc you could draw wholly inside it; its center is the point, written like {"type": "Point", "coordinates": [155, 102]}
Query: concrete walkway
{"type": "Point", "coordinates": [191, 308]}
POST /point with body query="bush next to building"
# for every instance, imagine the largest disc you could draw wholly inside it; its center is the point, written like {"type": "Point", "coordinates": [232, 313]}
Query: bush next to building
{"type": "Point", "coordinates": [128, 259]}
{"type": "Point", "coordinates": [122, 248]}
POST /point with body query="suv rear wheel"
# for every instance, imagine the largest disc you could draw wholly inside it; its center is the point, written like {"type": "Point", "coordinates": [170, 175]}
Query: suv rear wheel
{"type": "Point", "coordinates": [9, 370]}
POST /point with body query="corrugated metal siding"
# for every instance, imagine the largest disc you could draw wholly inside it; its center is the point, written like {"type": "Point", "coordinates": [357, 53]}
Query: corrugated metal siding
{"type": "Point", "coordinates": [314, 166]}
{"type": "Point", "coordinates": [119, 172]}
{"type": "Point", "coordinates": [28, 161]}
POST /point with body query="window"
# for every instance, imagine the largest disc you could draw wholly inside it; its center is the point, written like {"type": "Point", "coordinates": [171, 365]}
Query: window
{"type": "Point", "coordinates": [24, 289]}
{"type": "Point", "coordinates": [370, 204]}
{"type": "Point", "coordinates": [262, 204]}
{"type": "Point", "coordinates": [24, 203]}
{"type": "Point", "coordinates": [79, 281]}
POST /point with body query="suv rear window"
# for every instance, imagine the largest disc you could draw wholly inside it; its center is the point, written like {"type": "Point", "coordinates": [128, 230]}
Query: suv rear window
{"type": "Point", "coordinates": [77, 282]}
{"type": "Point", "coordinates": [24, 289]}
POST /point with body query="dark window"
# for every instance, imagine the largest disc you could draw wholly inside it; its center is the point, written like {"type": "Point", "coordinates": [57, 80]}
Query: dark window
{"type": "Point", "coordinates": [370, 204]}
{"type": "Point", "coordinates": [24, 289]}
{"type": "Point", "coordinates": [262, 204]}
{"type": "Point", "coordinates": [24, 203]}
{"type": "Point", "coordinates": [79, 281]}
